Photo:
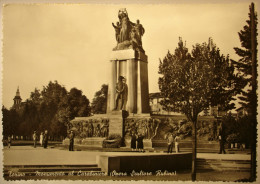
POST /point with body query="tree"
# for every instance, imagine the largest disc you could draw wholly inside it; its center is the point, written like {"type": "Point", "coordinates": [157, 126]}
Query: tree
{"type": "Point", "coordinates": [192, 82]}
{"type": "Point", "coordinates": [11, 121]}
{"type": "Point", "coordinates": [247, 74]}
{"type": "Point", "coordinates": [244, 64]}
{"type": "Point", "coordinates": [50, 109]}
{"type": "Point", "coordinates": [99, 102]}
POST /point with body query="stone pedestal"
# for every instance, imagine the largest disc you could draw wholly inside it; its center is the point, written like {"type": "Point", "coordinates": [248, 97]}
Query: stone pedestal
{"type": "Point", "coordinates": [116, 124]}
{"type": "Point", "coordinates": [133, 66]}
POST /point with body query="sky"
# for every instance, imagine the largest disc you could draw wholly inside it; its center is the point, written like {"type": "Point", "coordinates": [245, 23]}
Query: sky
{"type": "Point", "coordinates": [72, 43]}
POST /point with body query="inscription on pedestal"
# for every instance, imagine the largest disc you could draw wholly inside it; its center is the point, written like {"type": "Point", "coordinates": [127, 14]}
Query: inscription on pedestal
{"type": "Point", "coordinates": [115, 124]}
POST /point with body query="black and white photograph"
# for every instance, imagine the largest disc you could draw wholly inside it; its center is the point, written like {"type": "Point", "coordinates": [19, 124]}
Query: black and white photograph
{"type": "Point", "coordinates": [129, 91]}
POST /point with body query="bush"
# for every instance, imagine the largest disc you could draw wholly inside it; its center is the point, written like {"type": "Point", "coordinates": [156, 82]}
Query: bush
{"type": "Point", "coordinates": [113, 141]}
{"type": "Point", "coordinates": [232, 138]}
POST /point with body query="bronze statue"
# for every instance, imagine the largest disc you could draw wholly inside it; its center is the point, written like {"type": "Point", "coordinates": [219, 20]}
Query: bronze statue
{"type": "Point", "coordinates": [140, 32]}
{"type": "Point", "coordinates": [128, 34]}
{"type": "Point", "coordinates": [121, 93]}
{"type": "Point", "coordinates": [117, 30]}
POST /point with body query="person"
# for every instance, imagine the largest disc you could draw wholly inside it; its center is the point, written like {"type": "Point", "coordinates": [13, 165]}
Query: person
{"type": "Point", "coordinates": [71, 137]}
{"type": "Point", "coordinates": [170, 143]}
{"type": "Point", "coordinates": [9, 139]}
{"type": "Point", "coordinates": [133, 140]}
{"type": "Point", "coordinates": [41, 138]}
{"type": "Point", "coordinates": [34, 139]}
{"type": "Point", "coordinates": [140, 144]}
{"type": "Point", "coordinates": [221, 144]}
{"type": "Point", "coordinates": [45, 139]}
{"type": "Point", "coordinates": [177, 141]}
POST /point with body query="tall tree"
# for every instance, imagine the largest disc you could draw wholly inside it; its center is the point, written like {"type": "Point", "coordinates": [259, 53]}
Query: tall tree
{"type": "Point", "coordinates": [191, 82]}
{"type": "Point", "coordinates": [11, 121]}
{"type": "Point", "coordinates": [247, 72]}
{"type": "Point", "coordinates": [244, 64]}
{"type": "Point", "coordinates": [99, 102]}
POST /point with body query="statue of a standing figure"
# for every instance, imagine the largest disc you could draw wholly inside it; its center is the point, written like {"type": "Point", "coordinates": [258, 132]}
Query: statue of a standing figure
{"type": "Point", "coordinates": [140, 32]}
{"type": "Point", "coordinates": [121, 93]}
{"type": "Point", "coordinates": [117, 31]}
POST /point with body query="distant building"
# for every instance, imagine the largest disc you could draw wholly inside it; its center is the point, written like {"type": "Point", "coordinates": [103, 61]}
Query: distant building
{"type": "Point", "coordinates": [17, 100]}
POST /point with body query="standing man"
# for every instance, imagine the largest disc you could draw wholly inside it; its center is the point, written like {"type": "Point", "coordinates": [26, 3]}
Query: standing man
{"type": "Point", "coordinates": [34, 139]}
{"type": "Point", "coordinates": [177, 141]}
{"type": "Point", "coordinates": [45, 139]}
{"type": "Point", "coordinates": [71, 137]}
{"type": "Point", "coordinates": [170, 143]}
{"type": "Point", "coordinates": [221, 144]}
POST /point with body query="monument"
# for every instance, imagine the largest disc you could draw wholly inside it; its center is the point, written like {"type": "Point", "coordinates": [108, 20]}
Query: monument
{"type": "Point", "coordinates": [128, 94]}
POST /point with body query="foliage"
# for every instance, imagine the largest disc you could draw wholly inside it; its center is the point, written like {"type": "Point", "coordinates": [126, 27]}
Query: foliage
{"type": "Point", "coordinates": [50, 109]}
{"type": "Point", "coordinates": [241, 127]}
{"type": "Point", "coordinates": [244, 64]}
{"type": "Point", "coordinates": [232, 138]}
{"type": "Point", "coordinates": [10, 121]}
{"type": "Point", "coordinates": [99, 102]}
{"type": "Point", "coordinates": [192, 82]}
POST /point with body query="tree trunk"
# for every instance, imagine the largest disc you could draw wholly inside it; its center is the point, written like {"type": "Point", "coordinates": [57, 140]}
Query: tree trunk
{"type": "Point", "coordinates": [254, 87]}
{"type": "Point", "coordinates": [194, 150]}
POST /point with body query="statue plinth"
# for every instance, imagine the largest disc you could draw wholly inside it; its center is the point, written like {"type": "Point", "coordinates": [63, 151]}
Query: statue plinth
{"type": "Point", "coordinates": [132, 65]}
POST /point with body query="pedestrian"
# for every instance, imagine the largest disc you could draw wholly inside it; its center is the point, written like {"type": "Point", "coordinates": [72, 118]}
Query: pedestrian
{"type": "Point", "coordinates": [177, 141]}
{"type": "Point", "coordinates": [71, 137]}
{"type": "Point", "coordinates": [140, 144]}
{"type": "Point", "coordinates": [133, 140]}
{"type": "Point", "coordinates": [34, 139]}
{"type": "Point", "coordinates": [221, 144]}
{"type": "Point", "coordinates": [45, 139]}
{"type": "Point", "coordinates": [41, 139]}
{"type": "Point", "coordinates": [170, 143]}
{"type": "Point", "coordinates": [9, 140]}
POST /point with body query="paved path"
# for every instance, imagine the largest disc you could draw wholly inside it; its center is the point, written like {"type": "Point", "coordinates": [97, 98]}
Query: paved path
{"type": "Point", "coordinates": [27, 155]}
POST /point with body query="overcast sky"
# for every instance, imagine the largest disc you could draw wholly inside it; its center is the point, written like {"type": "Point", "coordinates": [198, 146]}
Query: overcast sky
{"type": "Point", "coordinates": [71, 43]}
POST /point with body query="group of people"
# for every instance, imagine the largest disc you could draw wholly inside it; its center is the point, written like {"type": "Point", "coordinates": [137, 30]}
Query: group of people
{"type": "Point", "coordinates": [43, 139]}
{"type": "Point", "coordinates": [171, 140]}
{"type": "Point", "coordinates": [137, 143]}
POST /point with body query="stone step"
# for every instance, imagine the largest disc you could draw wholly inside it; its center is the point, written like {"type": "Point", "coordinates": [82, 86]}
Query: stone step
{"type": "Point", "coordinates": [223, 165]}
{"type": "Point", "coordinates": [52, 169]}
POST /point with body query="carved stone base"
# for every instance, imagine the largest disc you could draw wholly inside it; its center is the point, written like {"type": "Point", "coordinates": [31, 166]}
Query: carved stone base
{"type": "Point", "coordinates": [87, 142]}
{"type": "Point", "coordinates": [115, 123]}
{"type": "Point", "coordinates": [147, 143]}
